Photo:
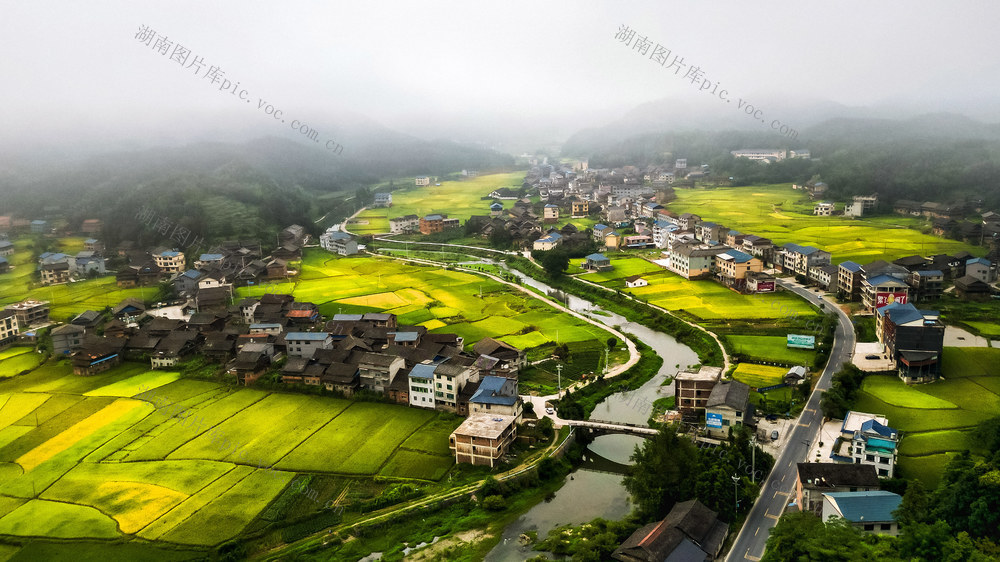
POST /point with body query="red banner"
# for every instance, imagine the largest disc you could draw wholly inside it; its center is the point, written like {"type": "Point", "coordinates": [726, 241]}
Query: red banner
{"type": "Point", "coordinates": [765, 286]}
{"type": "Point", "coordinates": [883, 299]}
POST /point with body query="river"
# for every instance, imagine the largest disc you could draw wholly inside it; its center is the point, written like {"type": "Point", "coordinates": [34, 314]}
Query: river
{"type": "Point", "coordinates": [595, 488]}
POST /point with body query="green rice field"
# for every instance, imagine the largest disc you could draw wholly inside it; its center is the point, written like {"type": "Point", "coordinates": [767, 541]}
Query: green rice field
{"type": "Point", "coordinates": [937, 420]}
{"type": "Point", "coordinates": [135, 454]}
{"type": "Point", "coordinates": [704, 299]}
{"type": "Point", "coordinates": [441, 300]}
{"type": "Point", "coordinates": [770, 348]}
{"type": "Point", "coordinates": [758, 376]}
{"type": "Point", "coordinates": [457, 199]}
{"type": "Point", "coordinates": [784, 215]}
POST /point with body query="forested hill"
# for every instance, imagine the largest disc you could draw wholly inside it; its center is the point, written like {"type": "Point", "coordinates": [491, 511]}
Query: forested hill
{"type": "Point", "coordinates": [940, 157]}
{"type": "Point", "coordinates": [224, 190]}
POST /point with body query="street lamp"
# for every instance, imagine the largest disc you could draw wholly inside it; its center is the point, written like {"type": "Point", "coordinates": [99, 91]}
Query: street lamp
{"type": "Point", "coordinates": [753, 458]}
{"type": "Point", "coordinates": [736, 497]}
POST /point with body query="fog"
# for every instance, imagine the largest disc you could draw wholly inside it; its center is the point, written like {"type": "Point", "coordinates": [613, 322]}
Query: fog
{"type": "Point", "coordinates": [509, 75]}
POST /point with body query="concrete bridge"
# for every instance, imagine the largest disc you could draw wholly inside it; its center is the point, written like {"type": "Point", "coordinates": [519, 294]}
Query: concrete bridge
{"type": "Point", "coordinates": [600, 427]}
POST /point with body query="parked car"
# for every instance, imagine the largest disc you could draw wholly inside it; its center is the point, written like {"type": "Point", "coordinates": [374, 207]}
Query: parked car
{"type": "Point", "coordinates": [772, 417]}
{"type": "Point", "coordinates": [873, 356]}
{"type": "Point", "coordinates": [549, 411]}
{"type": "Point", "coordinates": [774, 435]}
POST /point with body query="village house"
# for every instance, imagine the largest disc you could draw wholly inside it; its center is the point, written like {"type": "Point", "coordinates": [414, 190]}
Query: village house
{"type": "Point", "coordinates": [9, 330]}
{"type": "Point", "coordinates": [483, 439]}
{"type": "Point", "coordinates": [913, 338]}
{"type": "Point", "coordinates": [637, 241]}
{"type": "Point", "coordinates": [421, 181]}
{"type": "Point", "coordinates": [766, 155]}
{"type": "Point", "coordinates": [547, 242]}
{"type": "Point", "coordinates": [305, 344]}
{"type": "Point", "coordinates": [799, 259]}
{"type": "Point", "coordinates": [826, 276]}
{"type": "Point", "coordinates": [926, 285]}
{"type": "Point", "coordinates": [597, 262]}
{"type": "Point", "coordinates": [690, 532]}
{"type": "Point", "coordinates": [693, 389]}
{"type": "Point", "coordinates": [849, 277]}
{"type": "Point", "coordinates": [732, 267]}
{"type": "Point", "coordinates": [30, 312]}
{"type": "Point", "coordinates": [450, 379]}
{"type": "Point", "coordinates": [971, 288]}
{"type": "Point", "coordinates": [97, 356]}
{"type": "Point", "coordinates": [823, 209]}
{"type": "Point", "coordinates": [580, 208]}
{"type": "Point", "coordinates": [67, 338]}
{"type": "Point", "coordinates": [378, 370]}
{"type": "Point", "coordinates": [759, 247]}
{"type": "Point", "coordinates": [728, 405]}
{"type": "Point", "coordinates": [814, 479]}
{"type": "Point", "coordinates": [404, 224]}
{"type": "Point", "coordinates": [54, 273]}
{"type": "Point", "coordinates": [872, 512]}
{"type": "Point", "coordinates": [421, 390]}
{"type": "Point", "coordinates": [550, 213]}
{"type": "Point", "coordinates": [692, 261]}
{"type": "Point", "coordinates": [382, 199]}
{"type": "Point", "coordinates": [883, 290]}
{"type": "Point", "coordinates": [875, 444]}
{"type": "Point", "coordinates": [760, 282]}
{"type": "Point", "coordinates": [709, 232]}
{"type": "Point", "coordinates": [338, 242]}
{"type": "Point", "coordinates": [6, 248]}
{"type": "Point", "coordinates": [169, 261]}
{"type": "Point", "coordinates": [510, 359]}
{"type": "Point", "coordinates": [982, 269]}
{"type": "Point", "coordinates": [635, 281]}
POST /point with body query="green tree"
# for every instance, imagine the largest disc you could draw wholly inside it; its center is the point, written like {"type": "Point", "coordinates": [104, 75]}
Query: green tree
{"type": "Point", "coordinates": [665, 472]}
{"type": "Point", "coordinates": [915, 507]}
{"type": "Point", "coordinates": [554, 262]}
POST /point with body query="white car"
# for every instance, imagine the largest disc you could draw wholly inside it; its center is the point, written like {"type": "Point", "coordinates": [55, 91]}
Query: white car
{"type": "Point", "coordinates": [549, 411]}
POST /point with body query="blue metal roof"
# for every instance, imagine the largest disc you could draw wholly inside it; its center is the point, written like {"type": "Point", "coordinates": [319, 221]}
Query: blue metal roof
{"type": "Point", "coordinates": [191, 274]}
{"type": "Point", "coordinates": [433, 218]}
{"type": "Point", "coordinates": [90, 240]}
{"type": "Point", "coordinates": [422, 371]}
{"type": "Point", "coordinates": [982, 261]}
{"type": "Point", "coordinates": [266, 327]}
{"type": "Point", "coordinates": [307, 336]}
{"type": "Point", "coordinates": [170, 254]}
{"type": "Point", "coordinates": [551, 206]}
{"type": "Point", "coordinates": [931, 272]}
{"type": "Point", "coordinates": [885, 280]}
{"type": "Point", "coordinates": [738, 256]}
{"type": "Point", "coordinates": [210, 257]}
{"type": "Point", "coordinates": [883, 430]}
{"type": "Point", "coordinates": [597, 257]}
{"type": "Point", "coordinates": [347, 317]}
{"type": "Point", "coordinates": [901, 313]}
{"type": "Point", "coordinates": [851, 266]}
{"type": "Point", "coordinates": [489, 392]}
{"type": "Point", "coordinates": [600, 227]}
{"type": "Point", "coordinates": [496, 206]}
{"type": "Point", "coordinates": [873, 506]}
{"type": "Point", "coordinates": [405, 336]}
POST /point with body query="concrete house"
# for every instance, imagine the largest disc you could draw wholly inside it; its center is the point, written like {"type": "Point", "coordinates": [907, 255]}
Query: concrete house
{"type": "Point", "coordinates": [728, 405]}
{"type": "Point", "coordinates": [483, 439]}
{"type": "Point", "coordinates": [692, 390]}
{"type": "Point", "coordinates": [869, 511]}
{"type": "Point", "coordinates": [597, 262]}
{"type": "Point", "coordinates": [421, 391]}
{"type": "Point", "coordinates": [815, 479]}
{"type": "Point", "coordinates": [305, 344]}
{"type": "Point", "coordinates": [913, 338]}
{"type": "Point", "coordinates": [496, 396]}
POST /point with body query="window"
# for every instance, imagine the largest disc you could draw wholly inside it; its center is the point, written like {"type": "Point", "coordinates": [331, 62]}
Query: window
{"type": "Point", "coordinates": [870, 527]}
{"type": "Point", "coordinates": [870, 458]}
{"type": "Point", "coordinates": [449, 387]}
{"type": "Point", "coordinates": [439, 385]}
{"type": "Point", "coordinates": [885, 526]}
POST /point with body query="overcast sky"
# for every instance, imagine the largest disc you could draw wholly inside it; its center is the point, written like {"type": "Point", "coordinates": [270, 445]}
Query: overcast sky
{"type": "Point", "coordinates": [74, 70]}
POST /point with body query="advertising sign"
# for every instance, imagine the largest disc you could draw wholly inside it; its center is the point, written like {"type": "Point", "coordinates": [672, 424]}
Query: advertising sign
{"type": "Point", "coordinates": [801, 342]}
{"type": "Point", "coordinates": [885, 299]}
{"type": "Point", "coordinates": [713, 420]}
{"type": "Point", "coordinates": [765, 286]}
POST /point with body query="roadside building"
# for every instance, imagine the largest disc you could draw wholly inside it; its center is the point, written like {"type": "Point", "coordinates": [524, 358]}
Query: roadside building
{"type": "Point", "coordinates": [913, 338]}
{"type": "Point", "coordinates": [483, 439]}
{"type": "Point", "coordinates": [728, 405]}
{"type": "Point", "coordinates": [496, 395]}
{"type": "Point", "coordinates": [760, 282]}
{"type": "Point", "coordinates": [875, 444]}
{"type": "Point", "coordinates": [869, 511]}
{"type": "Point", "coordinates": [732, 267]}
{"type": "Point", "coordinates": [849, 277]}
{"type": "Point", "coordinates": [825, 276]}
{"type": "Point", "coordinates": [404, 224]}
{"type": "Point", "coordinates": [814, 479]}
{"type": "Point", "coordinates": [693, 261]}
{"type": "Point", "coordinates": [382, 199]}
{"type": "Point", "coordinates": [883, 290]}
{"type": "Point", "coordinates": [799, 259]}
{"type": "Point", "coordinates": [693, 389]}
{"type": "Point", "coordinates": [690, 532]}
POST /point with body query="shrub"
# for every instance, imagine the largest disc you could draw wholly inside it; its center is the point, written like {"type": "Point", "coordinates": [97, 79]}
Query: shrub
{"type": "Point", "coordinates": [494, 503]}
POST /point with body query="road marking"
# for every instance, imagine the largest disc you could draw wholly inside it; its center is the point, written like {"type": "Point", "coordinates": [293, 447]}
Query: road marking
{"type": "Point", "coordinates": [786, 494]}
{"type": "Point", "coordinates": [755, 533]}
{"type": "Point", "coordinates": [810, 410]}
{"type": "Point", "coordinates": [803, 425]}
{"type": "Point", "coordinates": [783, 477]}
{"type": "Point", "coordinates": [775, 517]}
{"type": "Point", "coordinates": [748, 557]}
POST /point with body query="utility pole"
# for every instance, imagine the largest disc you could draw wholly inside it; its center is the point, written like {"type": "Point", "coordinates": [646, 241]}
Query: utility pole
{"type": "Point", "coordinates": [559, 378]}
{"type": "Point", "coordinates": [753, 458]}
{"type": "Point", "coordinates": [736, 496]}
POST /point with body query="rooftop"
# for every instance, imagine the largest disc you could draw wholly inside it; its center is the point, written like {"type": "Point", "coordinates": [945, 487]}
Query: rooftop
{"type": "Point", "coordinates": [857, 507]}
{"type": "Point", "coordinates": [486, 426]}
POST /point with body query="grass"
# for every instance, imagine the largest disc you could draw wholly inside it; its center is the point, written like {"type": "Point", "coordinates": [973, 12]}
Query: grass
{"type": "Point", "coordinates": [937, 419]}
{"type": "Point", "coordinates": [770, 348]}
{"type": "Point", "coordinates": [12, 364]}
{"type": "Point", "coordinates": [987, 329]}
{"type": "Point", "coordinates": [457, 199]}
{"type": "Point", "coordinates": [40, 518]}
{"type": "Point", "coordinates": [783, 215]}
{"type": "Point", "coordinates": [758, 376]}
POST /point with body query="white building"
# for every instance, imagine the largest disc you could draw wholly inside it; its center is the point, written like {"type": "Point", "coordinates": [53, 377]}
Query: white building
{"type": "Point", "coordinates": [305, 344]}
{"type": "Point", "coordinates": [338, 242]}
{"type": "Point", "coordinates": [824, 209]}
{"type": "Point", "coordinates": [422, 180]}
{"type": "Point", "coordinates": [421, 379]}
{"type": "Point", "coordinates": [170, 261]}
{"type": "Point", "coordinates": [760, 154]}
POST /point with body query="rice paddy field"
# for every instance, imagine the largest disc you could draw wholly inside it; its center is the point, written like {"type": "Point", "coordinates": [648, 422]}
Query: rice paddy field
{"type": "Point", "coordinates": [938, 420]}
{"type": "Point", "coordinates": [783, 215]}
{"type": "Point", "coordinates": [770, 348]}
{"type": "Point", "coordinates": [457, 199]}
{"type": "Point", "coordinates": [67, 300]}
{"type": "Point", "coordinates": [443, 301]}
{"type": "Point", "coordinates": [758, 376]}
{"type": "Point", "coordinates": [704, 299]}
{"type": "Point", "coordinates": [133, 456]}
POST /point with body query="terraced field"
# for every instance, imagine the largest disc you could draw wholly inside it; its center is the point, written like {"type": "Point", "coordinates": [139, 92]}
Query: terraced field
{"type": "Point", "coordinates": [443, 301]}
{"type": "Point", "coordinates": [783, 215]}
{"type": "Point", "coordinates": [457, 199]}
{"type": "Point", "coordinates": [938, 419]}
{"type": "Point", "coordinates": [133, 453]}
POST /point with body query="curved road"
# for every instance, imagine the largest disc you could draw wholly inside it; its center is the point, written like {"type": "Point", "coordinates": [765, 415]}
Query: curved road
{"type": "Point", "coordinates": [777, 490]}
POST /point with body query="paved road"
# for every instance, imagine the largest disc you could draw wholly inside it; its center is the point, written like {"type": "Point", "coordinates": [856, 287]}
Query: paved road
{"type": "Point", "coordinates": [779, 487]}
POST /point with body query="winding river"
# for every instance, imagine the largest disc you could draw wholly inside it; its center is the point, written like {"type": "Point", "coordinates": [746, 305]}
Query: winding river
{"type": "Point", "coordinates": [595, 488]}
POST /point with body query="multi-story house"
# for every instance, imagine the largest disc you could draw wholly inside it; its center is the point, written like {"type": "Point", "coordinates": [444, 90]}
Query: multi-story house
{"type": "Point", "coordinates": [913, 338]}
{"type": "Point", "coordinates": [169, 261]}
{"type": "Point", "coordinates": [760, 154]}
{"type": "Point", "coordinates": [693, 389]}
{"type": "Point", "coordinates": [422, 180]}
{"type": "Point", "coordinates": [421, 390]}
{"type": "Point", "coordinates": [728, 405]}
{"type": "Point", "coordinates": [926, 285]}
{"type": "Point", "coordinates": [759, 247]}
{"type": "Point", "coordinates": [30, 312]}
{"type": "Point", "coordinates": [305, 344]}
{"type": "Point", "coordinates": [817, 478]}
{"type": "Point", "coordinates": [383, 199]}
{"type": "Point", "coordinates": [378, 370]}
{"type": "Point", "coordinates": [709, 232]}
{"type": "Point", "coordinates": [483, 439]}
{"type": "Point", "coordinates": [580, 208]}
{"type": "Point", "coordinates": [550, 213]}
{"type": "Point", "coordinates": [799, 259]}
{"type": "Point", "coordinates": [849, 276]}
{"type": "Point", "coordinates": [871, 512]}
{"type": "Point", "coordinates": [875, 444]}
{"type": "Point", "coordinates": [547, 242]}
{"type": "Point", "coordinates": [404, 224]}
{"type": "Point", "coordinates": [982, 269]}
{"type": "Point", "coordinates": [661, 232]}
{"type": "Point", "coordinates": [449, 381]}
{"type": "Point", "coordinates": [338, 242]}
{"type": "Point", "coordinates": [431, 224]}
{"type": "Point", "coordinates": [66, 338]}
{"type": "Point", "coordinates": [692, 261]}
{"type": "Point", "coordinates": [9, 329]}
{"type": "Point", "coordinates": [732, 267]}
{"type": "Point", "coordinates": [823, 209]}
{"type": "Point", "coordinates": [883, 290]}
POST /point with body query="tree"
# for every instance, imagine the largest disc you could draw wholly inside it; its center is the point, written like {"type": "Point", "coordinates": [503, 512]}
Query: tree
{"type": "Point", "coordinates": [494, 503]}
{"type": "Point", "coordinates": [554, 262]}
{"type": "Point", "coordinates": [915, 507]}
{"type": "Point", "coordinates": [665, 472]}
